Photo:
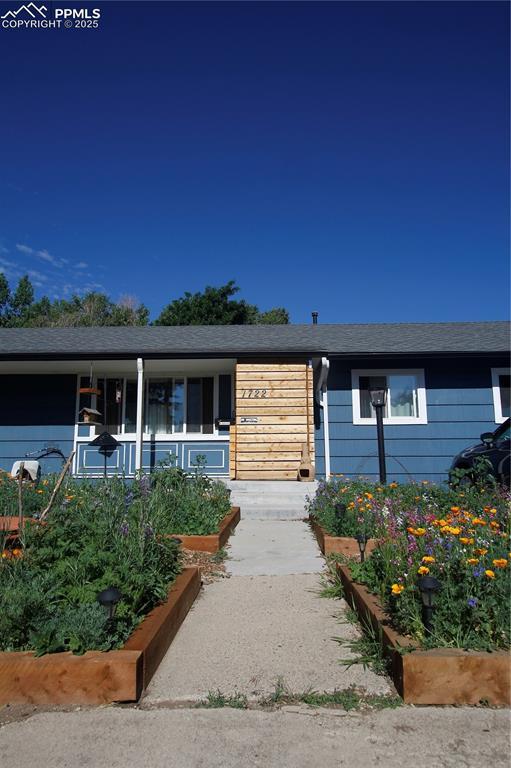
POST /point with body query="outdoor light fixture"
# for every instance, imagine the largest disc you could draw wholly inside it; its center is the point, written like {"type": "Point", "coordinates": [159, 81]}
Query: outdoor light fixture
{"type": "Point", "coordinates": [340, 511]}
{"type": "Point", "coordinates": [362, 541]}
{"type": "Point", "coordinates": [428, 586]}
{"type": "Point", "coordinates": [378, 401]}
{"type": "Point", "coordinates": [109, 598]}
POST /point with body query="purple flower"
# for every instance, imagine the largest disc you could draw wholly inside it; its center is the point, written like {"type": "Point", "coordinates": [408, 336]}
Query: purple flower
{"type": "Point", "coordinates": [478, 572]}
{"type": "Point", "coordinates": [128, 499]}
{"type": "Point", "coordinates": [144, 485]}
{"type": "Point", "coordinates": [472, 602]}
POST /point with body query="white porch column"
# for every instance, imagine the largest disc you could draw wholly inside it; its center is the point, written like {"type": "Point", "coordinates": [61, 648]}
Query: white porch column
{"type": "Point", "coordinates": [140, 415]}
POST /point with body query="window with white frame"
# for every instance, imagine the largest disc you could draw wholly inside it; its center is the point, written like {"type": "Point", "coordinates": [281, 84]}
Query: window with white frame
{"type": "Point", "coordinates": [500, 379]}
{"type": "Point", "coordinates": [406, 396]}
{"type": "Point", "coordinates": [172, 405]}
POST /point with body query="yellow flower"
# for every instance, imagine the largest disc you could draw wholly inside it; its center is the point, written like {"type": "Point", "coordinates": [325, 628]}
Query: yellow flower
{"type": "Point", "coordinates": [392, 485]}
{"type": "Point", "coordinates": [420, 531]}
{"type": "Point", "coordinates": [379, 489]}
{"type": "Point", "coordinates": [425, 482]}
{"type": "Point", "coordinates": [454, 530]}
{"type": "Point", "coordinates": [493, 511]}
{"type": "Point", "coordinates": [423, 570]}
{"type": "Point", "coordinates": [428, 559]}
{"type": "Point", "coordinates": [489, 574]}
{"type": "Point", "coordinates": [39, 491]}
{"type": "Point", "coordinates": [501, 562]}
{"type": "Point", "coordinates": [472, 560]}
{"type": "Point", "coordinates": [397, 589]}
{"type": "Point", "coordinates": [465, 540]}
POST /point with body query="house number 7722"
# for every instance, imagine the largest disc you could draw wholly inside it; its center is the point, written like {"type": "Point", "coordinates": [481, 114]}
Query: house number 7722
{"type": "Point", "coordinates": [255, 393]}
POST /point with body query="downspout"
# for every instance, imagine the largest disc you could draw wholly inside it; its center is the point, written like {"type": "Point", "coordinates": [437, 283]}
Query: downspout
{"type": "Point", "coordinates": [322, 400]}
{"type": "Point", "coordinates": [139, 440]}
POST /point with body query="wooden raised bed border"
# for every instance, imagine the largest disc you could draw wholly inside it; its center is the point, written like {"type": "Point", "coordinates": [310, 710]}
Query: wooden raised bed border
{"type": "Point", "coordinates": [214, 541]}
{"type": "Point", "coordinates": [339, 545]}
{"type": "Point", "coordinates": [96, 677]}
{"type": "Point", "coordinates": [436, 676]}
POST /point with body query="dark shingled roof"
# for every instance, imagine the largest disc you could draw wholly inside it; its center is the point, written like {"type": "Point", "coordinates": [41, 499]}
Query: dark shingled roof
{"type": "Point", "coordinates": [244, 340]}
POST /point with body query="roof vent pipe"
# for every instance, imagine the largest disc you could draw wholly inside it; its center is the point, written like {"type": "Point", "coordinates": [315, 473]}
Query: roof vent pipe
{"type": "Point", "coordinates": [314, 318]}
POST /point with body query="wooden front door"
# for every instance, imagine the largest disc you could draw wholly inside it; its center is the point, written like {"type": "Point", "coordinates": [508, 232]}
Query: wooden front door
{"type": "Point", "coordinates": [274, 420]}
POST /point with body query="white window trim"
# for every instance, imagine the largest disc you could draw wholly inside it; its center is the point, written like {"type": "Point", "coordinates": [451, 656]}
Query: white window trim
{"type": "Point", "coordinates": [422, 418]}
{"type": "Point", "coordinates": [495, 385]}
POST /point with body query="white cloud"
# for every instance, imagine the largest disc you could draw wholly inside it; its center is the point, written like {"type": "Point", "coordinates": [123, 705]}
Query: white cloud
{"type": "Point", "coordinates": [37, 275]}
{"type": "Point", "coordinates": [81, 265]}
{"type": "Point", "coordinates": [44, 255]}
{"type": "Point", "coordinates": [24, 249]}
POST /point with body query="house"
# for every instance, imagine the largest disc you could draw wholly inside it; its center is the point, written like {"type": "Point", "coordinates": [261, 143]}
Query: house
{"type": "Point", "coordinates": [249, 398]}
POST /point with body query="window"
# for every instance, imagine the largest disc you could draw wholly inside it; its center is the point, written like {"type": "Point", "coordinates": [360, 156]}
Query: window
{"type": "Point", "coordinates": [172, 405]}
{"type": "Point", "coordinates": [406, 396]}
{"type": "Point", "coordinates": [500, 379]}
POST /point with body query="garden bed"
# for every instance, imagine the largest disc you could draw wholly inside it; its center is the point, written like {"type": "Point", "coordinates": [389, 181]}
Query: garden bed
{"type": "Point", "coordinates": [96, 677]}
{"type": "Point", "coordinates": [341, 545]}
{"type": "Point", "coordinates": [215, 541]}
{"type": "Point", "coordinates": [434, 676]}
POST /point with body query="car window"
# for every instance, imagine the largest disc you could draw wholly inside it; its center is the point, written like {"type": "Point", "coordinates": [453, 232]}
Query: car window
{"type": "Point", "coordinates": [504, 435]}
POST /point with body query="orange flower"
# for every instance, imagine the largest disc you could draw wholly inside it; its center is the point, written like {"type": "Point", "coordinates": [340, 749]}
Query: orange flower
{"type": "Point", "coordinates": [368, 495]}
{"type": "Point", "coordinates": [396, 589]}
{"type": "Point", "coordinates": [392, 485]}
{"type": "Point", "coordinates": [454, 530]}
{"type": "Point", "coordinates": [500, 562]}
{"type": "Point", "coordinates": [6, 554]}
{"type": "Point", "coordinates": [472, 560]}
{"type": "Point", "coordinates": [17, 552]}
{"type": "Point", "coordinates": [428, 559]}
{"type": "Point", "coordinates": [422, 571]}
{"type": "Point", "coordinates": [455, 509]}
{"type": "Point", "coordinates": [465, 540]}
{"type": "Point", "coordinates": [480, 551]}
{"type": "Point", "coordinates": [494, 524]}
{"type": "Point", "coordinates": [489, 574]}
{"type": "Point", "coordinates": [478, 521]}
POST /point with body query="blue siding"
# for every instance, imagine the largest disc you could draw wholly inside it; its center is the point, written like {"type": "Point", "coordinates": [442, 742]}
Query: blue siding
{"type": "Point", "coordinates": [36, 411]}
{"type": "Point", "coordinates": [459, 407]}
{"type": "Point", "coordinates": [91, 463]}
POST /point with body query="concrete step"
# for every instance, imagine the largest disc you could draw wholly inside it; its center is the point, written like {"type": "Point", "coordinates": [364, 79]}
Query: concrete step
{"type": "Point", "coordinates": [270, 500]}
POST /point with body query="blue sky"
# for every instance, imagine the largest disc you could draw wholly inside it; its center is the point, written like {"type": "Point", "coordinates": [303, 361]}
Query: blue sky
{"type": "Point", "coordinates": [350, 158]}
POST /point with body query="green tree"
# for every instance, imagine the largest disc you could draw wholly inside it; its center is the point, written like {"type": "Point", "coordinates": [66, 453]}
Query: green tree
{"type": "Point", "coordinates": [21, 302]}
{"type": "Point", "coordinates": [216, 306]}
{"type": "Point", "coordinates": [5, 297]}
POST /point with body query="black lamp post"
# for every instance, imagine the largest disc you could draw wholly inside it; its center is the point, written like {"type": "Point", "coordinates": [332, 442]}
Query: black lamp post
{"type": "Point", "coordinates": [429, 586]}
{"type": "Point", "coordinates": [340, 511]}
{"type": "Point", "coordinates": [362, 541]}
{"type": "Point", "coordinates": [109, 598]}
{"type": "Point", "coordinates": [378, 401]}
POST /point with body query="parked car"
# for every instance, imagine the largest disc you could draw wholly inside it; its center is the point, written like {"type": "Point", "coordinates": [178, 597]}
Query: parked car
{"type": "Point", "coordinates": [495, 447]}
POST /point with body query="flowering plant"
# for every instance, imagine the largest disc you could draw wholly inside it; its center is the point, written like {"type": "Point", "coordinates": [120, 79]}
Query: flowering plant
{"type": "Point", "coordinates": [458, 535]}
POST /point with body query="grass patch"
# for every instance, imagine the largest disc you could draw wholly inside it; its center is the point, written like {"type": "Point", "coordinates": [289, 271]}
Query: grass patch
{"type": "Point", "coordinates": [219, 556]}
{"type": "Point", "coordinates": [217, 700]}
{"type": "Point", "coordinates": [367, 647]}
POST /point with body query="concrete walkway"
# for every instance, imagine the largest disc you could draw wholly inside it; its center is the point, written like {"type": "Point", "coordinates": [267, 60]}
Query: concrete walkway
{"type": "Point", "coordinates": [265, 624]}
{"type": "Point", "coordinates": [289, 738]}
{"type": "Point", "coordinates": [273, 548]}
